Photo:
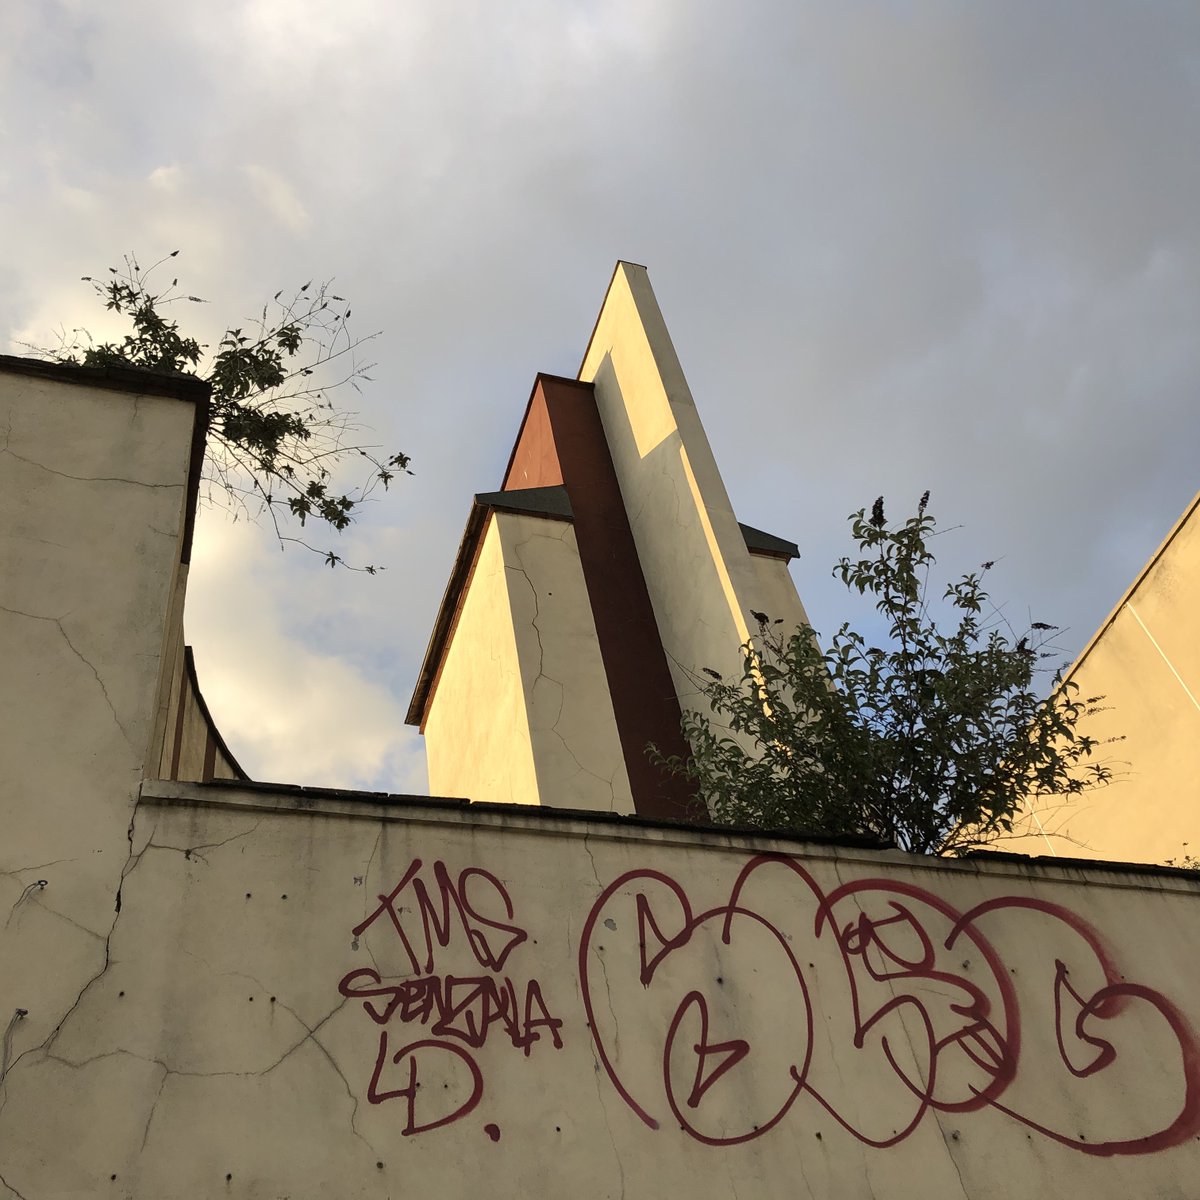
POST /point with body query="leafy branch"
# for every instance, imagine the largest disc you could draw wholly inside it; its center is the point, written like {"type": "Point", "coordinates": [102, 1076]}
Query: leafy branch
{"type": "Point", "coordinates": [275, 438]}
{"type": "Point", "coordinates": [933, 741]}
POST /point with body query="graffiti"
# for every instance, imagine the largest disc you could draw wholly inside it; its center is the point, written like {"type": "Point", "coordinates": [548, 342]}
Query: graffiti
{"type": "Point", "coordinates": [865, 1007]}
{"type": "Point", "coordinates": [474, 914]}
{"type": "Point", "coordinates": [872, 1005]}
{"type": "Point", "coordinates": [459, 1008]}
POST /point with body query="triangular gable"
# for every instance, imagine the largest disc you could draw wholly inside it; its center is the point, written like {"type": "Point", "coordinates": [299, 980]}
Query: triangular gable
{"type": "Point", "coordinates": [534, 460]}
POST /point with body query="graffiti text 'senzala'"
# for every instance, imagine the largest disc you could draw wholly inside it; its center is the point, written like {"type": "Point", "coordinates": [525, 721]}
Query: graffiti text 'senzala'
{"type": "Point", "coordinates": [473, 911]}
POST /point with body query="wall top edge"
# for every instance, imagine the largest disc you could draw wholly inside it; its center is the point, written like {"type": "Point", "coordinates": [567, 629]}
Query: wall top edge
{"type": "Point", "coordinates": [121, 379]}
{"type": "Point", "coordinates": [293, 799]}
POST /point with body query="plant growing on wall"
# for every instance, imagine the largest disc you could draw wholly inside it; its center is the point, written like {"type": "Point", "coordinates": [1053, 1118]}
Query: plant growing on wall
{"type": "Point", "coordinates": [275, 440]}
{"type": "Point", "coordinates": [931, 741]}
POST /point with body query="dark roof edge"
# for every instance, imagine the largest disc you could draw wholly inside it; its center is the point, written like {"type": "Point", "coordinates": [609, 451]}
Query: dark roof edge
{"type": "Point", "coordinates": [122, 379]}
{"type": "Point", "coordinates": [551, 501]}
{"type": "Point", "coordinates": [759, 542]}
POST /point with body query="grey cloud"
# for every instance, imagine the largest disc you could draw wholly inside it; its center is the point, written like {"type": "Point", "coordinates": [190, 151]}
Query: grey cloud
{"type": "Point", "coordinates": [898, 246]}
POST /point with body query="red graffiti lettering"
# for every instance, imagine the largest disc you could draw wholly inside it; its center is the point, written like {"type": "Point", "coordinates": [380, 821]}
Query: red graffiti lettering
{"type": "Point", "coordinates": [926, 1008]}
{"type": "Point", "coordinates": [466, 1009]}
{"type": "Point", "coordinates": [437, 918]}
{"type": "Point", "coordinates": [438, 1062]}
{"type": "Point", "coordinates": [460, 1012]}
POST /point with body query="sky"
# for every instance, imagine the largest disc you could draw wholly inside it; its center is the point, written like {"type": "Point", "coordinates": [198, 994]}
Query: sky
{"type": "Point", "coordinates": [898, 246]}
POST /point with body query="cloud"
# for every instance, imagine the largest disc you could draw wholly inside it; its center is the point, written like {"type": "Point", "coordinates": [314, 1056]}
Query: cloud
{"type": "Point", "coordinates": [897, 246]}
{"type": "Point", "coordinates": [279, 199]}
{"type": "Point", "coordinates": [290, 712]}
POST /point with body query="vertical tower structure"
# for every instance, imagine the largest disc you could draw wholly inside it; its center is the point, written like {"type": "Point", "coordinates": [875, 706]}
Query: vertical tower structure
{"type": "Point", "coordinates": [591, 590]}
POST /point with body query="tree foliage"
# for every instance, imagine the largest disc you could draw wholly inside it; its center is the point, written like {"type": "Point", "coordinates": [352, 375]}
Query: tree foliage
{"type": "Point", "coordinates": [932, 741]}
{"type": "Point", "coordinates": [276, 441]}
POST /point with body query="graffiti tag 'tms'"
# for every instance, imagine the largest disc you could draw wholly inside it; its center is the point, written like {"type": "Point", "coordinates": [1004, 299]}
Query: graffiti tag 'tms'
{"type": "Point", "coordinates": [458, 1012]}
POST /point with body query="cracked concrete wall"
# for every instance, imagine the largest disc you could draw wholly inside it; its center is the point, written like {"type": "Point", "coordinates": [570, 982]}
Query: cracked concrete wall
{"type": "Point", "coordinates": [1145, 663]}
{"type": "Point", "coordinates": [635, 1012]}
{"type": "Point", "coordinates": [501, 725]}
{"type": "Point", "coordinates": [702, 581]}
{"type": "Point", "coordinates": [477, 735]}
{"type": "Point", "coordinates": [92, 491]}
{"type": "Point", "coordinates": [577, 753]}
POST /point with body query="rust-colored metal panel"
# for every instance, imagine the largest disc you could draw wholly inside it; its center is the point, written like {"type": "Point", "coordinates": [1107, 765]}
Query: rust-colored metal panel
{"type": "Point", "coordinates": [635, 664]}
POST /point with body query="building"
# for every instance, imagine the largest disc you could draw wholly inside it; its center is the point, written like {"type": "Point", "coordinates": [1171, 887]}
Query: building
{"type": "Point", "coordinates": [214, 987]}
{"type": "Point", "coordinates": [1144, 662]}
{"type": "Point", "coordinates": [611, 555]}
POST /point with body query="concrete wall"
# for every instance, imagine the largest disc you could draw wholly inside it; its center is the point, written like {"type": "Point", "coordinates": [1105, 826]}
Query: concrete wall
{"type": "Point", "coordinates": [521, 710]}
{"type": "Point", "coordinates": [477, 737]}
{"type": "Point", "coordinates": [1145, 662]}
{"type": "Point", "coordinates": [93, 496]}
{"type": "Point", "coordinates": [576, 750]}
{"type": "Point", "coordinates": [314, 995]}
{"type": "Point", "coordinates": [666, 588]}
{"type": "Point", "coordinates": [703, 584]}
{"type": "Point", "coordinates": [236, 990]}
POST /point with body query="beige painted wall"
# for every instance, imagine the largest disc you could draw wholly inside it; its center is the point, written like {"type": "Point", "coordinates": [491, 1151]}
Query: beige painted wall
{"type": "Point", "coordinates": [501, 725]}
{"type": "Point", "coordinates": [1145, 661]}
{"type": "Point", "coordinates": [477, 729]}
{"type": "Point", "coordinates": [577, 753]}
{"type": "Point", "coordinates": [701, 578]}
{"type": "Point", "coordinates": [775, 590]}
{"type": "Point", "coordinates": [92, 491]}
{"type": "Point", "coordinates": [265, 1028]}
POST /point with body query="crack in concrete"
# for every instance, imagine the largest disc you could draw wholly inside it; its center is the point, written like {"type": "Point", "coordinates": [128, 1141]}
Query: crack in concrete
{"type": "Point", "coordinates": [540, 673]}
{"type": "Point", "coordinates": [349, 1090]}
{"type": "Point", "coordinates": [366, 875]}
{"type": "Point", "coordinates": [36, 886]}
{"type": "Point", "coordinates": [310, 1030]}
{"type": "Point", "coordinates": [616, 1039]}
{"type": "Point", "coordinates": [580, 768]}
{"type": "Point", "coordinates": [9, 1187]}
{"type": "Point", "coordinates": [92, 933]}
{"type": "Point", "coordinates": [193, 852]}
{"type": "Point", "coordinates": [58, 622]}
{"type": "Point", "coordinates": [357, 942]}
{"type": "Point", "coordinates": [608, 1127]}
{"type": "Point", "coordinates": [561, 696]}
{"type": "Point", "coordinates": [28, 537]}
{"type": "Point", "coordinates": [162, 1083]}
{"type": "Point", "coordinates": [953, 1160]}
{"type": "Point", "coordinates": [85, 478]}
{"type": "Point", "coordinates": [804, 1176]}
{"type": "Point", "coordinates": [47, 1043]}
{"type": "Point", "coordinates": [6, 1043]}
{"type": "Point", "coordinates": [536, 609]}
{"type": "Point", "coordinates": [37, 867]}
{"type": "Point", "coordinates": [310, 1033]}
